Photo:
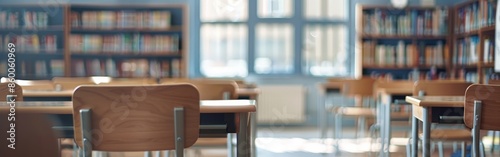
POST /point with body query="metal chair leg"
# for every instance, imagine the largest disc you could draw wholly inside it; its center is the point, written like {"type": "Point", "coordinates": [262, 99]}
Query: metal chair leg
{"type": "Point", "coordinates": [493, 142]}
{"type": "Point", "coordinates": [463, 149]}
{"type": "Point", "coordinates": [440, 149]}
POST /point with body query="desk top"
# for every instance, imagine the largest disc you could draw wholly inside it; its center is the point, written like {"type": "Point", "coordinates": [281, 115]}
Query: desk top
{"type": "Point", "coordinates": [436, 101]}
{"type": "Point", "coordinates": [69, 93]}
{"type": "Point", "coordinates": [66, 107]}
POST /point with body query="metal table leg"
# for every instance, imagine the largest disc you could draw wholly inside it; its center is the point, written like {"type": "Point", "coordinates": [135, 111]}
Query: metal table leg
{"type": "Point", "coordinates": [243, 144]}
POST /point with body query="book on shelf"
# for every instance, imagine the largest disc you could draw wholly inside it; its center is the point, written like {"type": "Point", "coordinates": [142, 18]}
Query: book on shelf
{"type": "Point", "coordinates": [477, 15]}
{"type": "Point", "coordinates": [406, 22]}
{"type": "Point", "coordinates": [488, 51]}
{"type": "Point", "coordinates": [432, 55]}
{"type": "Point", "coordinates": [57, 67]}
{"type": "Point", "coordinates": [33, 43]}
{"type": "Point", "coordinates": [121, 19]}
{"type": "Point", "coordinates": [466, 51]}
{"type": "Point", "coordinates": [124, 43]}
{"type": "Point", "coordinates": [399, 55]}
{"type": "Point", "coordinates": [24, 18]}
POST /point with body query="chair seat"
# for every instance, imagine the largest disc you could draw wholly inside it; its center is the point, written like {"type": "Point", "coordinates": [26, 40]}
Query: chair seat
{"type": "Point", "coordinates": [450, 135]}
{"type": "Point", "coordinates": [355, 111]}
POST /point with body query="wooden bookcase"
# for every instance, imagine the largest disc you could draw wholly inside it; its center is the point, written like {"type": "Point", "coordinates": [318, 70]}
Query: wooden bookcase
{"type": "Point", "coordinates": [474, 38]}
{"type": "Point", "coordinates": [38, 33]}
{"type": "Point", "coordinates": [110, 40]}
{"type": "Point", "coordinates": [404, 43]}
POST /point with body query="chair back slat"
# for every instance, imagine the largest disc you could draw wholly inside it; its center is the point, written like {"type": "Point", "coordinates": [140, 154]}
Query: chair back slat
{"type": "Point", "coordinates": [489, 95]}
{"type": "Point", "coordinates": [362, 87]}
{"type": "Point", "coordinates": [212, 89]}
{"type": "Point", "coordinates": [441, 88]}
{"type": "Point", "coordinates": [136, 118]}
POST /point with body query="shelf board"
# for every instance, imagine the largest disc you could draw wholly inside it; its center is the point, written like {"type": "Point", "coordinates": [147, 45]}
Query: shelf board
{"type": "Point", "coordinates": [488, 65]}
{"type": "Point", "coordinates": [34, 56]}
{"type": "Point", "coordinates": [467, 34]}
{"type": "Point", "coordinates": [488, 28]}
{"type": "Point", "coordinates": [400, 68]}
{"type": "Point", "coordinates": [404, 37]}
{"type": "Point", "coordinates": [83, 30]}
{"type": "Point", "coordinates": [34, 29]}
{"type": "Point", "coordinates": [141, 55]}
{"type": "Point", "coordinates": [466, 3]}
{"type": "Point", "coordinates": [472, 66]}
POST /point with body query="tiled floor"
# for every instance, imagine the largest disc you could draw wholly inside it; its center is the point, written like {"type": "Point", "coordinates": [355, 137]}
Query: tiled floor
{"type": "Point", "coordinates": [304, 141]}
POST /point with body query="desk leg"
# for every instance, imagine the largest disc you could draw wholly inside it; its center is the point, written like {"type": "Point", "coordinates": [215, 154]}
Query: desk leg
{"type": "Point", "coordinates": [388, 126]}
{"type": "Point", "coordinates": [323, 115]}
{"type": "Point", "coordinates": [426, 130]}
{"type": "Point", "coordinates": [253, 133]}
{"type": "Point", "coordinates": [243, 144]}
{"type": "Point", "coordinates": [381, 123]}
{"type": "Point", "coordinates": [414, 136]}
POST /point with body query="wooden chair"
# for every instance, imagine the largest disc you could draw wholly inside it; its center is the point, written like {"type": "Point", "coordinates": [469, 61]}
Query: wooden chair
{"type": "Point", "coordinates": [214, 90]}
{"type": "Point", "coordinates": [112, 118]}
{"type": "Point", "coordinates": [443, 88]}
{"type": "Point", "coordinates": [70, 83]}
{"type": "Point", "coordinates": [493, 82]}
{"type": "Point", "coordinates": [358, 89]}
{"type": "Point", "coordinates": [481, 112]}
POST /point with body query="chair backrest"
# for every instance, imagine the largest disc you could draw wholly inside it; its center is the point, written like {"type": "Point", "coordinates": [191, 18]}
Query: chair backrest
{"type": "Point", "coordinates": [136, 118]}
{"type": "Point", "coordinates": [33, 133]}
{"type": "Point", "coordinates": [490, 106]}
{"type": "Point", "coordinates": [45, 85]}
{"type": "Point", "coordinates": [402, 84]}
{"type": "Point", "coordinates": [362, 87]}
{"type": "Point", "coordinates": [70, 83]}
{"type": "Point", "coordinates": [5, 89]}
{"type": "Point", "coordinates": [213, 89]}
{"type": "Point", "coordinates": [441, 88]}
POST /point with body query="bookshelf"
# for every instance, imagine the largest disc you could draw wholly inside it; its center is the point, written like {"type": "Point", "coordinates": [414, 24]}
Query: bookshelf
{"type": "Point", "coordinates": [87, 40]}
{"type": "Point", "coordinates": [473, 55]}
{"type": "Point", "coordinates": [127, 40]}
{"type": "Point", "coordinates": [408, 43]}
{"type": "Point", "coordinates": [39, 38]}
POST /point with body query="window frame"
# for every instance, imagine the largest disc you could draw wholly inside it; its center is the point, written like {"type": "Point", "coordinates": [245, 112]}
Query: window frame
{"type": "Point", "coordinates": [298, 22]}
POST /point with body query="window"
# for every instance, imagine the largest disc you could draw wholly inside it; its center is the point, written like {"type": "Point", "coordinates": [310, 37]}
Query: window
{"type": "Point", "coordinates": [274, 49]}
{"type": "Point", "coordinates": [282, 40]}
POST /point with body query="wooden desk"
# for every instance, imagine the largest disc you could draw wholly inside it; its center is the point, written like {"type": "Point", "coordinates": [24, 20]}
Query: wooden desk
{"type": "Point", "coordinates": [422, 111]}
{"type": "Point", "coordinates": [229, 108]}
{"type": "Point", "coordinates": [384, 102]}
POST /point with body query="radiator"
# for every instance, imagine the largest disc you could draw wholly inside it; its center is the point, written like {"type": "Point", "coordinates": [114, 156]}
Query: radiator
{"type": "Point", "coordinates": [281, 104]}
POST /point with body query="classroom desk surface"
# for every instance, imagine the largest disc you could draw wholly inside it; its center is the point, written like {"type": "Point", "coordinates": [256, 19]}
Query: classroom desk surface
{"type": "Point", "coordinates": [436, 101]}
{"type": "Point", "coordinates": [250, 92]}
{"type": "Point", "coordinates": [66, 107]}
{"type": "Point", "coordinates": [423, 107]}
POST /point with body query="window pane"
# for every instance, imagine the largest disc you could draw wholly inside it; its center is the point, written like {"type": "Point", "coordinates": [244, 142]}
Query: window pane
{"type": "Point", "coordinates": [223, 10]}
{"type": "Point", "coordinates": [224, 50]}
{"type": "Point", "coordinates": [325, 50]}
{"type": "Point", "coordinates": [325, 9]}
{"type": "Point", "coordinates": [275, 8]}
{"type": "Point", "coordinates": [274, 49]}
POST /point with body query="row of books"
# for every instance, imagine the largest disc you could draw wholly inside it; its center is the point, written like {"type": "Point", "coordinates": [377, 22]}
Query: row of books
{"type": "Point", "coordinates": [413, 75]}
{"type": "Point", "coordinates": [475, 16]}
{"type": "Point", "coordinates": [30, 43]}
{"type": "Point", "coordinates": [126, 68]}
{"type": "Point", "coordinates": [26, 19]}
{"type": "Point", "coordinates": [401, 22]}
{"type": "Point", "coordinates": [466, 51]}
{"type": "Point", "coordinates": [41, 68]}
{"type": "Point", "coordinates": [124, 43]}
{"type": "Point", "coordinates": [403, 54]}
{"type": "Point", "coordinates": [121, 19]}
